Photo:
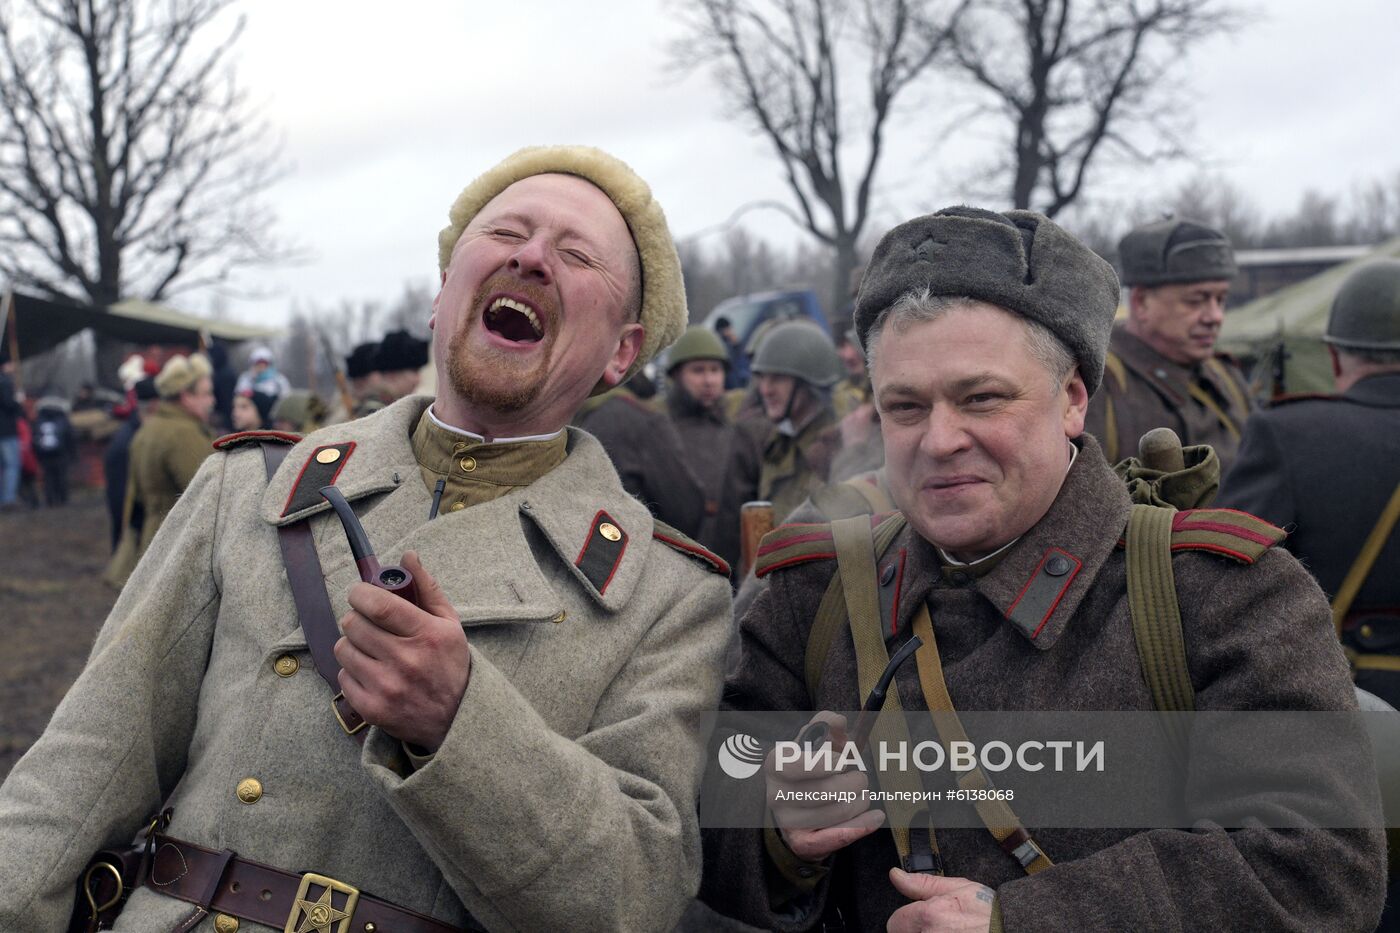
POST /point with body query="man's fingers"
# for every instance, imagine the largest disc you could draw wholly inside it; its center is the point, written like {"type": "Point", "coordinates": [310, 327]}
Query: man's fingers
{"type": "Point", "coordinates": [392, 613]}
{"type": "Point", "coordinates": [366, 636]}
{"type": "Point", "coordinates": [431, 597]}
{"type": "Point", "coordinates": [816, 844]}
{"type": "Point", "coordinates": [353, 659]}
{"type": "Point", "coordinates": [918, 886]}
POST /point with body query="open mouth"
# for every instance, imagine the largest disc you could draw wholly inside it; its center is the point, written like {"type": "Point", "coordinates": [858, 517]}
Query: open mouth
{"type": "Point", "coordinates": [513, 320]}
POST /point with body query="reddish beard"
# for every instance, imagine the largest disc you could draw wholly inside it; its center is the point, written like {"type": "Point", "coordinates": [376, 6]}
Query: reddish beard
{"type": "Point", "coordinates": [492, 378]}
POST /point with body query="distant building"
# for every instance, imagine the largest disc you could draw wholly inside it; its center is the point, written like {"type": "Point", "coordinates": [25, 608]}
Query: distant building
{"type": "Point", "coordinates": [1265, 271]}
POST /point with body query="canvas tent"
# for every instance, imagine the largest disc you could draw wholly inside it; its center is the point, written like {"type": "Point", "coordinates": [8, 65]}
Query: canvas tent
{"type": "Point", "coordinates": [40, 324]}
{"type": "Point", "coordinates": [1281, 333]}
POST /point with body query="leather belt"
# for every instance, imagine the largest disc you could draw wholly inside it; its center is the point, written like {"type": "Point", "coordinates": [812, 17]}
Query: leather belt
{"type": "Point", "coordinates": [224, 883]}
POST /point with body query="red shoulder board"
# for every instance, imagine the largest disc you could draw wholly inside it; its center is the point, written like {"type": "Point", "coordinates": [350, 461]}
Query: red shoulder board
{"type": "Point", "coordinates": [1237, 535]}
{"type": "Point", "coordinates": [239, 438]}
{"type": "Point", "coordinates": [793, 544]}
{"type": "Point", "coordinates": [674, 539]}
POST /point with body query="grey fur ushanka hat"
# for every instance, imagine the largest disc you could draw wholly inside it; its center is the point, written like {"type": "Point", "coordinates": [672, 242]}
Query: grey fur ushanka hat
{"type": "Point", "coordinates": [1020, 261]}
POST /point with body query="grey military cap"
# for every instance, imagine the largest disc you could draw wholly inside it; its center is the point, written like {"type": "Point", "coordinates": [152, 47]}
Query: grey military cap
{"type": "Point", "coordinates": [799, 350]}
{"type": "Point", "coordinates": [1366, 312]}
{"type": "Point", "coordinates": [1171, 251]}
{"type": "Point", "coordinates": [1021, 261]}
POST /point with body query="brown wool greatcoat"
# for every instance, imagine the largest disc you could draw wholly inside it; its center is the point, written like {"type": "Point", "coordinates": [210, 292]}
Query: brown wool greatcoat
{"type": "Point", "coordinates": [725, 457]}
{"type": "Point", "coordinates": [1157, 393]}
{"type": "Point", "coordinates": [1257, 636]}
{"type": "Point", "coordinates": [563, 797]}
{"type": "Point", "coordinates": [648, 456]}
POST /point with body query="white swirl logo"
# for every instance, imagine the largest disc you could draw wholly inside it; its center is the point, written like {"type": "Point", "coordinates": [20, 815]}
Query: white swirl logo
{"type": "Point", "coordinates": [741, 756]}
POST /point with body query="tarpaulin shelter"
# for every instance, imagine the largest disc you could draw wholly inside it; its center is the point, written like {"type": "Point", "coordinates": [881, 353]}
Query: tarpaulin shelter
{"type": "Point", "coordinates": [40, 324]}
{"type": "Point", "coordinates": [1281, 333]}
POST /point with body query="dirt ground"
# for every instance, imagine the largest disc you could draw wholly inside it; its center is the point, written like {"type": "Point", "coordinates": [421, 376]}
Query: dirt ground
{"type": "Point", "coordinates": [52, 602]}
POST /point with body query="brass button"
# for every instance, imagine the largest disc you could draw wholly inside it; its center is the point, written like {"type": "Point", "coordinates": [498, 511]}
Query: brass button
{"type": "Point", "coordinates": [250, 790]}
{"type": "Point", "coordinates": [467, 464]}
{"type": "Point", "coordinates": [286, 665]}
{"type": "Point", "coordinates": [458, 506]}
{"type": "Point", "coordinates": [561, 616]}
{"type": "Point", "coordinates": [329, 455]}
{"type": "Point", "coordinates": [1366, 631]}
{"type": "Point", "coordinates": [610, 531]}
{"type": "Point", "coordinates": [459, 447]}
{"type": "Point", "coordinates": [223, 923]}
{"type": "Point", "coordinates": [370, 928]}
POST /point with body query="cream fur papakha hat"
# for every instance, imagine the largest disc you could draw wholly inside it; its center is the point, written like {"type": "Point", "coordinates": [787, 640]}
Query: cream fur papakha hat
{"type": "Point", "coordinates": [664, 314]}
{"type": "Point", "coordinates": [182, 372]}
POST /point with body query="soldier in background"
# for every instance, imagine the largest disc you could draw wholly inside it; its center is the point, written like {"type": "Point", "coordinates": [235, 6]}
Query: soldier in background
{"type": "Point", "coordinates": [648, 455]}
{"type": "Point", "coordinates": [1327, 465]}
{"type": "Point", "coordinates": [1162, 370]}
{"type": "Point", "coordinates": [725, 455]}
{"type": "Point", "coordinates": [165, 454]}
{"type": "Point", "coordinates": [853, 389]}
{"type": "Point", "coordinates": [363, 382]}
{"type": "Point", "coordinates": [117, 456]}
{"type": "Point", "coordinates": [794, 370]}
{"type": "Point", "coordinates": [397, 361]}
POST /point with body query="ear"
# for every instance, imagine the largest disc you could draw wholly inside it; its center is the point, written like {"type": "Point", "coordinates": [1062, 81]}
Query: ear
{"type": "Point", "coordinates": [1076, 404]}
{"type": "Point", "coordinates": [432, 318]}
{"type": "Point", "coordinates": [1137, 300]}
{"type": "Point", "coordinates": [629, 344]}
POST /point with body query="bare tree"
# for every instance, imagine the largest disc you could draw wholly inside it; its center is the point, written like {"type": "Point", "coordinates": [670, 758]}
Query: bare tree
{"type": "Point", "coordinates": [781, 66]}
{"type": "Point", "coordinates": [129, 162]}
{"type": "Point", "coordinates": [1074, 79]}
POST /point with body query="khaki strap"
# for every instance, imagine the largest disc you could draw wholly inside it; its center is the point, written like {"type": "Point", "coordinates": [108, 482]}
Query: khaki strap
{"type": "Point", "coordinates": [1232, 388]}
{"type": "Point", "coordinates": [1361, 567]}
{"type": "Point", "coordinates": [1156, 615]}
{"type": "Point", "coordinates": [996, 815]}
{"type": "Point", "coordinates": [855, 560]}
{"type": "Point", "coordinates": [831, 612]}
{"type": "Point", "coordinates": [1373, 662]}
{"type": "Point", "coordinates": [1200, 394]}
{"type": "Point", "coordinates": [875, 495]}
{"type": "Point", "coordinates": [1114, 367]}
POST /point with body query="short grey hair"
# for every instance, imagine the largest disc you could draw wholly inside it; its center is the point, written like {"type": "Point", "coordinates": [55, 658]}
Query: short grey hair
{"type": "Point", "coordinates": [920, 306]}
{"type": "Point", "coordinates": [1374, 357]}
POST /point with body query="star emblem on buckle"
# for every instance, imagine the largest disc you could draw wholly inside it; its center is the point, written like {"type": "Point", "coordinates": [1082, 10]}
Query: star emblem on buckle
{"type": "Point", "coordinates": [321, 915]}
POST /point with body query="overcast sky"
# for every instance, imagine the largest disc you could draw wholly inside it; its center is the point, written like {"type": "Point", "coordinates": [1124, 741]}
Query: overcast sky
{"type": "Point", "coordinates": [387, 112]}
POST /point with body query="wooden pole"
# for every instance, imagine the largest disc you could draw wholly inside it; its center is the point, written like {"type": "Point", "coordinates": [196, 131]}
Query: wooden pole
{"type": "Point", "coordinates": [13, 334]}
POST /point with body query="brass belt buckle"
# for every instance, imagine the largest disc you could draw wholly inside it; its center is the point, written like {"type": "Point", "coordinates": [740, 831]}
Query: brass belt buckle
{"type": "Point", "coordinates": [321, 915]}
{"type": "Point", "coordinates": [335, 708]}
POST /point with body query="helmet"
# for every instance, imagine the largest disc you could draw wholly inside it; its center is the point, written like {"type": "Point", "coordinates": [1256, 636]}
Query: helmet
{"type": "Point", "coordinates": [697, 343]}
{"type": "Point", "coordinates": [1366, 312]}
{"type": "Point", "coordinates": [799, 350]}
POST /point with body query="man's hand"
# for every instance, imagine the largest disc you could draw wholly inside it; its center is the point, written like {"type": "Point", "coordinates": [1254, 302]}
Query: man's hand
{"type": "Point", "coordinates": [404, 668]}
{"type": "Point", "coordinates": [814, 829]}
{"type": "Point", "coordinates": [947, 905]}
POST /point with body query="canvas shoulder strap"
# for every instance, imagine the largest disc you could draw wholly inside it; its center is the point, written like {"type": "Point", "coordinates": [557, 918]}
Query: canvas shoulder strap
{"type": "Point", "coordinates": [314, 610]}
{"type": "Point", "coordinates": [856, 554]}
{"type": "Point", "coordinates": [1365, 560]}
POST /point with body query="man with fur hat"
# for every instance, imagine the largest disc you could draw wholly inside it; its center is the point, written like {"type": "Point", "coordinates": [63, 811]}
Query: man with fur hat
{"type": "Point", "coordinates": [986, 335]}
{"type": "Point", "coordinates": [166, 452]}
{"type": "Point", "coordinates": [521, 749]}
{"type": "Point", "coordinates": [1161, 368]}
{"type": "Point", "coordinates": [397, 362]}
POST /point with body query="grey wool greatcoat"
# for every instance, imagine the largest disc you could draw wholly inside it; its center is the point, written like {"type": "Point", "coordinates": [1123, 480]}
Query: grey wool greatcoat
{"type": "Point", "coordinates": [1257, 635]}
{"type": "Point", "coordinates": [564, 794]}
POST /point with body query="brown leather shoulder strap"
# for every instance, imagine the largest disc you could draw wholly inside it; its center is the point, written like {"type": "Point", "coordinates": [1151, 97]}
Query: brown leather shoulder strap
{"type": "Point", "coordinates": [313, 604]}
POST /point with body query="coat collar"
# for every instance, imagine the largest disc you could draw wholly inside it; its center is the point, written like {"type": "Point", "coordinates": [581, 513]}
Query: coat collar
{"type": "Point", "coordinates": [1381, 390]}
{"type": "Point", "coordinates": [1039, 583]}
{"type": "Point", "coordinates": [567, 505]}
